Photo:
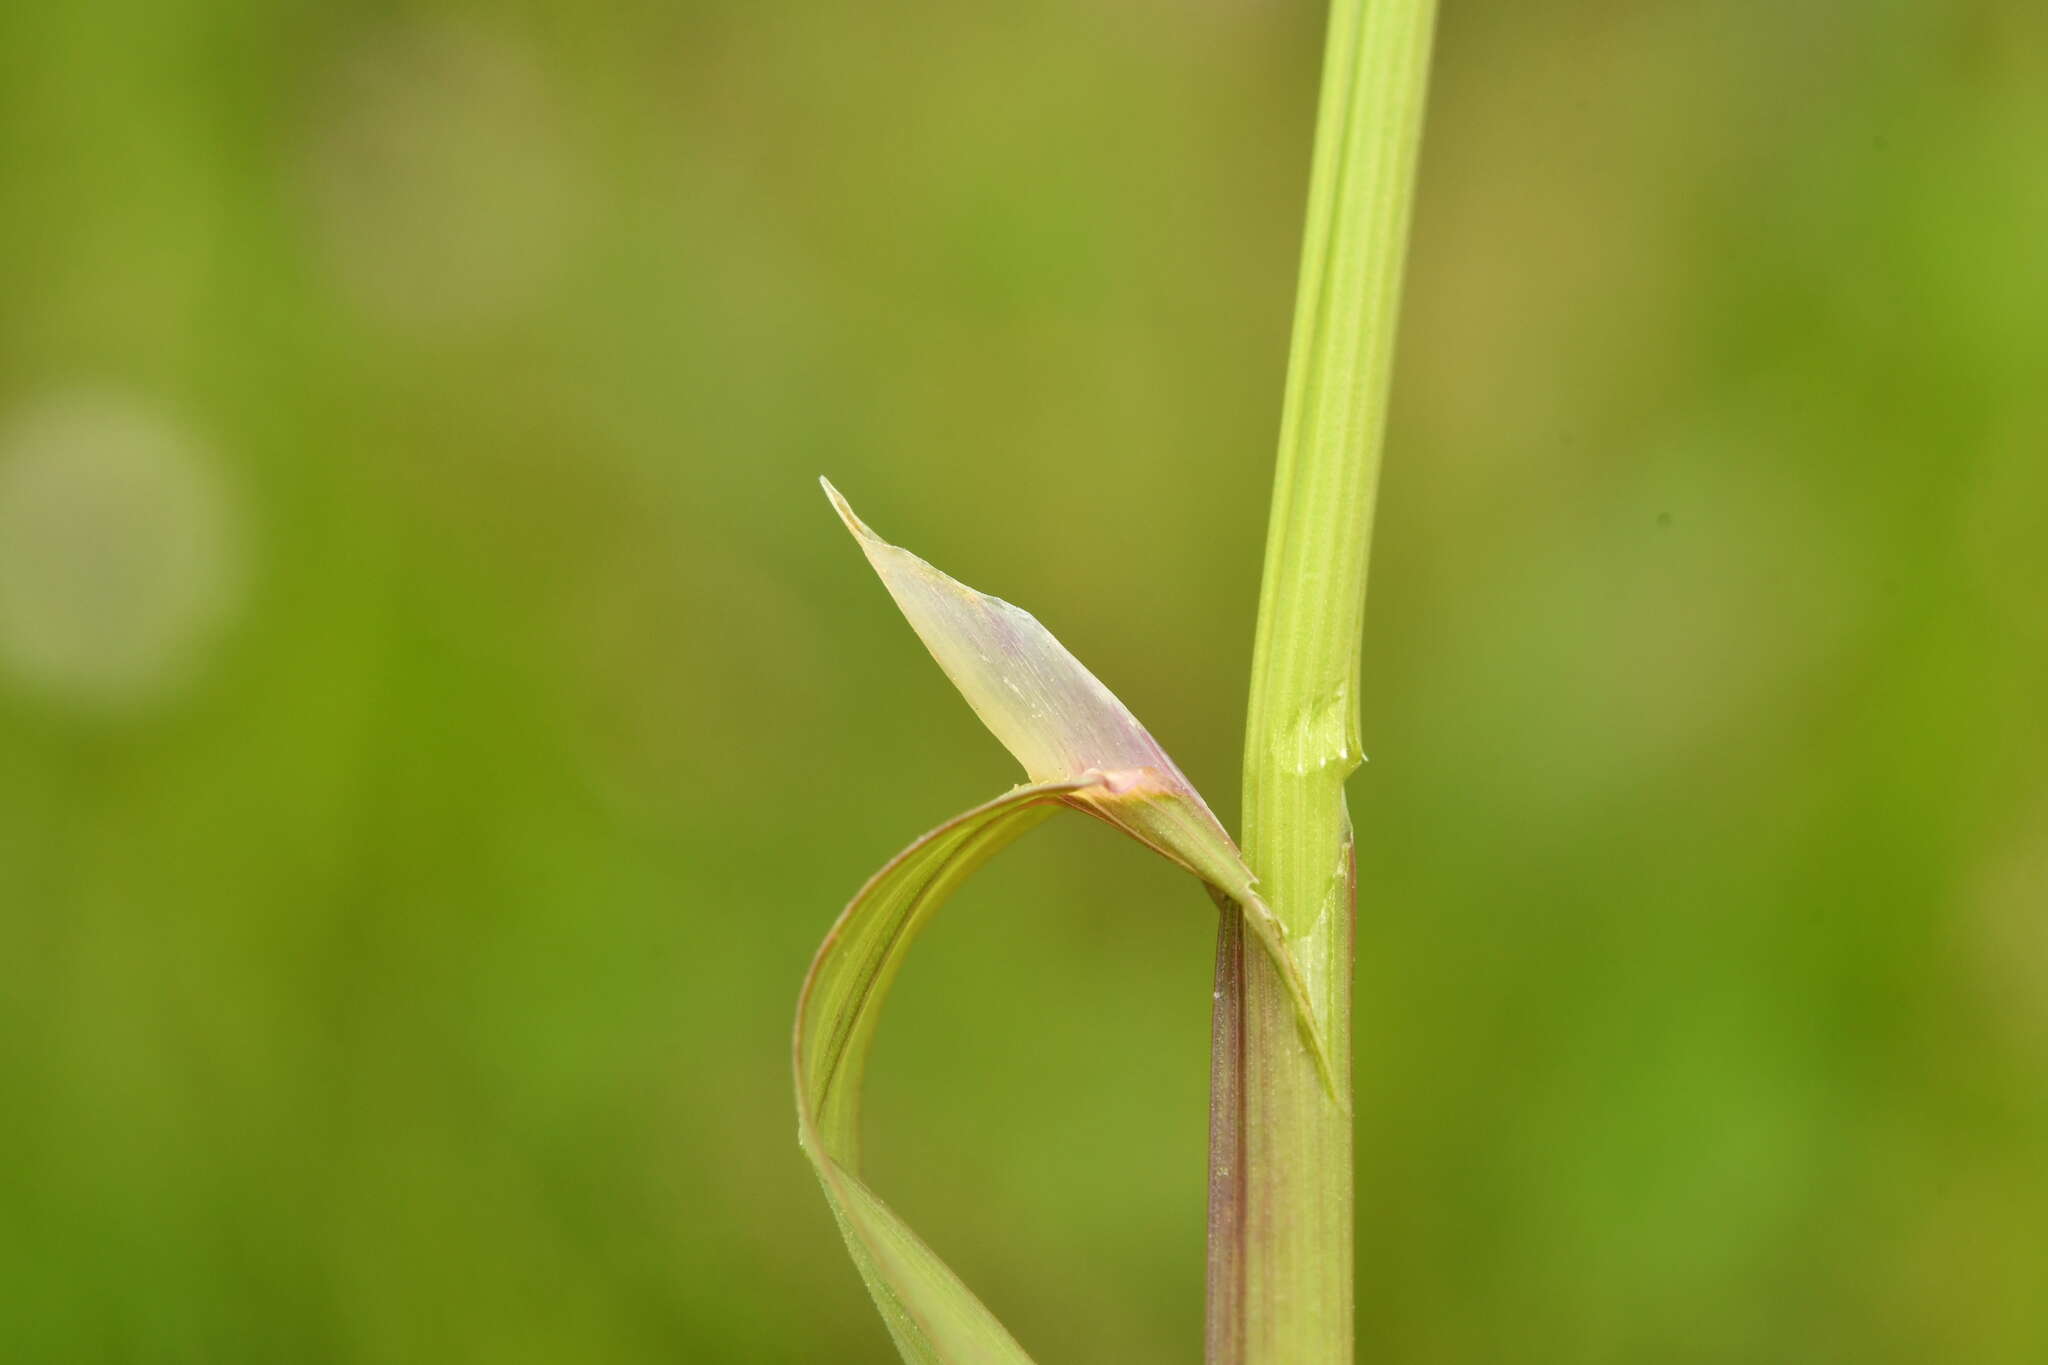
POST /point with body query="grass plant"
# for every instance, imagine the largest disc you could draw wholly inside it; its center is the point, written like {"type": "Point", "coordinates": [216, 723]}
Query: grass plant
{"type": "Point", "coordinates": [1280, 1184]}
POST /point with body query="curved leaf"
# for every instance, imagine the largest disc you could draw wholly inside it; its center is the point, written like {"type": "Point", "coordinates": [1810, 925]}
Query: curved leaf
{"type": "Point", "coordinates": [1083, 749]}
{"type": "Point", "coordinates": [1059, 721]}
{"type": "Point", "coordinates": [934, 1318]}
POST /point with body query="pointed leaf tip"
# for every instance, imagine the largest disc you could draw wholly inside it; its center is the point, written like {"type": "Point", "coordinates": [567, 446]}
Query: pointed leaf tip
{"type": "Point", "coordinates": [1052, 714]}
{"type": "Point", "coordinates": [845, 510]}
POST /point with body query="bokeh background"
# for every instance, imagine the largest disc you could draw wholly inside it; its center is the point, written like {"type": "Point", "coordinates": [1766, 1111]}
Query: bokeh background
{"type": "Point", "coordinates": [439, 715]}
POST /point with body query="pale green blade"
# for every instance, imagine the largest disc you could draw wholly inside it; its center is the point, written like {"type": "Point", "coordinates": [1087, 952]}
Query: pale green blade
{"type": "Point", "coordinates": [1051, 713]}
{"type": "Point", "coordinates": [1059, 721]}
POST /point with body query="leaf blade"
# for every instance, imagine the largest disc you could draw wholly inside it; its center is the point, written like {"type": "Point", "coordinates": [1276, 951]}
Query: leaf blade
{"type": "Point", "coordinates": [1060, 722]}
{"type": "Point", "coordinates": [1083, 749]}
{"type": "Point", "coordinates": [933, 1317]}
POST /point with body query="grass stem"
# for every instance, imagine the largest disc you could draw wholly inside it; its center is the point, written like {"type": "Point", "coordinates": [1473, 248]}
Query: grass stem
{"type": "Point", "coordinates": [1280, 1271]}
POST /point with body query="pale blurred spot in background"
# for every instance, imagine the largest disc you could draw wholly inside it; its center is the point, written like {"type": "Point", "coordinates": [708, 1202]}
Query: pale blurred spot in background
{"type": "Point", "coordinates": [122, 552]}
{"type": "Point", "coordinates": [442, 191]}
{"type": "Point", "coordinates": [2002, 918]}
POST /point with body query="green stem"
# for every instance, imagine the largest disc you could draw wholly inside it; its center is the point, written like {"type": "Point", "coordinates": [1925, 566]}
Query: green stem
{"type": "Point", "coordinates": [1280, 1277]}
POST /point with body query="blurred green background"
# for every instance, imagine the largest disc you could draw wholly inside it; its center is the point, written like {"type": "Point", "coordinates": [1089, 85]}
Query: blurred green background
{"type": "Point", "coordinates": [439, 715]}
